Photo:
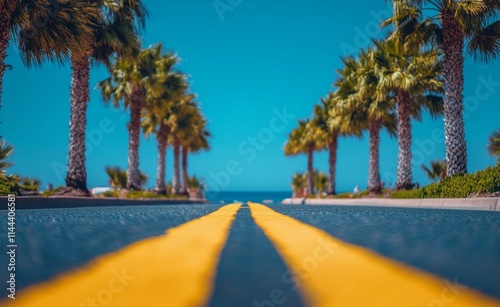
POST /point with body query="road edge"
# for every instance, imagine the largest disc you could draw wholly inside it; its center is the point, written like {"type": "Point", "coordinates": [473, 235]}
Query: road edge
{"type": "Point", "coordinates": [480, 203]}
{"type": "Point", "coordinates": [37, 202]}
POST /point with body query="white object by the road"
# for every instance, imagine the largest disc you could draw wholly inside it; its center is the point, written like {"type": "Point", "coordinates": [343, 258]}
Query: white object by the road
{"type": "Point", "coordinates": [100, 190]}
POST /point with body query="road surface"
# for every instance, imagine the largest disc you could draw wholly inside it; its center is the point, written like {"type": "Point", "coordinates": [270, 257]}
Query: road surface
{"type": "Point", "coordinates": [254, 255]}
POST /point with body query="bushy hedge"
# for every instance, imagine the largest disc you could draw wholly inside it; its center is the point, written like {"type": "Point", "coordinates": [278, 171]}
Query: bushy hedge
{"type": "Point", "coordinates": [460, 186]}
{"type": "Point", "coordinates": [8, 187]}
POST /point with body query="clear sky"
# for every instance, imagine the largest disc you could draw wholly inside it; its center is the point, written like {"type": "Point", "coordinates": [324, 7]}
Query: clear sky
{"type": "Point", "coordinates": [249, 61]}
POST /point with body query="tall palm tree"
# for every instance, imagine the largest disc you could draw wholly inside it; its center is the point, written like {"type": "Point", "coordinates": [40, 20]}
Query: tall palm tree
{"type": "Point", "coordinates": [305, 139]}
{"type": "Point", "coordinates": [168, 86]}
{"type": "Point", "coordinates": [67, 25]}
{"type": "Point", "coordinates": [184, 115]}
{"type": "Point", "coordinates": [456, 24]}
{"type": "Point", "coordinates": [330, 118]}
{"type": "Point", "coordinates": [130, 80]}
{"type": "Point", "coordinates": [414, 78]}
{"type": "Point", "coordinates": [494, 144]}
{"type": "Point", "coordinates": [114, 32]}
{"type": "Point", "coordinates": [368, 105]}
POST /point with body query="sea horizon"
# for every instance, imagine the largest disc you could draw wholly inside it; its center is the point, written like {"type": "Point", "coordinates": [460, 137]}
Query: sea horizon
{"type": "Point", "coordinates": [268, 197]}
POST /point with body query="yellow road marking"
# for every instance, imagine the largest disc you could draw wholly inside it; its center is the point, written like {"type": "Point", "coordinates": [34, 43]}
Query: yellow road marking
{"type": "Point", "coordinates": [175, 269]}
{"type": "Point", "coordinates": [332, 273]}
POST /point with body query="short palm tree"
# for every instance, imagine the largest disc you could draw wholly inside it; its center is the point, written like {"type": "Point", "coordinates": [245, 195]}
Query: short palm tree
{"type": "Point", "coordinates": [306, 139]}
{"type": "Point", "coordinates": [414, 78]}
{"type": "Point", "coordinates": [194, 142]}
{"type": "Point", "coordinates": [299, 181]}
{"type": "Point", "coordinates": [128, 85]}
{"type": "Point", "coordinates": [118, 177]}
{"type": "Point", "coordinates": [436, 171]}
{"type": "Point", "coordinates": [456, 25]}
{"type": "Point", "coordinates": [494, 144]}
{"type": "Point", "coordinates": [321, 182]}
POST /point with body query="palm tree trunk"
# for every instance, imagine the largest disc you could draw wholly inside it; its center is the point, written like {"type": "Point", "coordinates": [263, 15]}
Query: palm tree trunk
{"type": "Point", "coordinates": [310, 170]}
{"type": "Point", "coordinates": [176, 183]}
{"type": "Point", "coordinates": [404, 179]}
{"type": "Point", "coordinates": [5, 11]}
{"type": "Point", "coordinates": [76, 177]}
{"type": "Point", "coordinates": [453, 66]}
{"type": "Point", "coordinates": [374, 168]}
{"type": "Point", "coordinates": [332, 159]}
{"type": "Point", "coordinates": [162, 141]}
{"type": "Point", "coordinates": [185, 176]}
{"type": "Point", "coordinates": [134, 130]}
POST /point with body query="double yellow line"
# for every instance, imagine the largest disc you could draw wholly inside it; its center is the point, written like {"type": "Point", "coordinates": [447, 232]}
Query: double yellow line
{"type": "Point", "coordinates": [178, 269]}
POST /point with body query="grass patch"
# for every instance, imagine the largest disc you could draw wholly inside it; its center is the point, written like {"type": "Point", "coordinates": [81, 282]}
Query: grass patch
{"type": "Point", "coordinates": [460, 186]}
{"type": "Point", "coordinates": [351, 195]}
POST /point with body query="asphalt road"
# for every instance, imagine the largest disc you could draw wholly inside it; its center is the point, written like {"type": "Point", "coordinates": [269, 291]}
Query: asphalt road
{"type": "Point", "coordinates": [461, 246]}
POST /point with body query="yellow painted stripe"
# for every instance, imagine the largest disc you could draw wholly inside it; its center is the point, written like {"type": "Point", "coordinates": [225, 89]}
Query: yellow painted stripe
{"type": "Point", "coordinates": [175, 269]}
{"type": "Point", "coordinates": [333, 273]}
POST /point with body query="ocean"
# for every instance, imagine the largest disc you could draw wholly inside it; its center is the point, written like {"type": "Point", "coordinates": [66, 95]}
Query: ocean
{"type": "Point", "coordinates": [228, 197]}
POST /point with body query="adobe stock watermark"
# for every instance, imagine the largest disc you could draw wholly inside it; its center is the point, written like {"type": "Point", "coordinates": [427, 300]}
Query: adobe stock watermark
{"type": "Point", "coordinates": [249, 150]}
{"type": "Point", "coordinates": [449, 294]}
{"type": "Point", "coordinates": [323, 250]}
{"type": "Point", "coordinates": [115, 286]}
{"type": "Point", "coordinates": [484, 89]}
{"type": "Point", "coordinates": [225, 6]}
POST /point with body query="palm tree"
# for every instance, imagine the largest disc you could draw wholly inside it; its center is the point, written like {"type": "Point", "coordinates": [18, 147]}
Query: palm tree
{"type": "Point", "coordinates": [113, 32]}
{"type": "Point", "coordinates": [298, 184]}
{"type": "Point", "coordinates": [321, 181]}
{"type": "Point", "coordinates": [118, 177]}
{"type": "Point", "coordinates": [196, 141]}
{"type": "Point", "coordinates": [414, 78]}
{"type": "Point", "coordinates": [129, 83]}
{"type": "Point", "coordinates": [168, 85]}
{"type": "Point", "coordinates": [5, 152]}
{"type": "Point", "coordinates": [305, 139]}
{"type": "Point", "coordinates": [329, 117]}
{"type": "Point", "coordinates": [184, 117]}
{"type": "Point", "coordinates": [367, 106]}
{"type": "Point", "coordinates": [459, 24]}
{"type": "Point", "coordinates": [65, 29]}
{"type": "Point", "coordinates": [494, 144]}
{"type": "Point", "coordinates": [436, 171]}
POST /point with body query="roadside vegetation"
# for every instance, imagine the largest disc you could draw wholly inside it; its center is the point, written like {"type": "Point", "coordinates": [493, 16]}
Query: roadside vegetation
{"type": "Point", "coordinates": [480, 184]}
{"type": "Point", "coordinates": [415, 68]}
{"type": "Point", "coordinates": [142, 81]}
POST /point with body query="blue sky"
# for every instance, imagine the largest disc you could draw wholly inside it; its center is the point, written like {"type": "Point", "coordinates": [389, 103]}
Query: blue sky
{"type": "Point", "coordinates": [250, 61]}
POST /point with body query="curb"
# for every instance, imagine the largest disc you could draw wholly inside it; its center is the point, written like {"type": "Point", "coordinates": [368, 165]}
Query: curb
{"type": "Point", "coordinates": [28, 202]}
{"type": "Point", "coordinates": [483, 203]}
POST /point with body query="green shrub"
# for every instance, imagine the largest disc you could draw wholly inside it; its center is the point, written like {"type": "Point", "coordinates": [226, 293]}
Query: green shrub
{"type": "Point", "coordinates": [144, 195]}
{"type": "Point", "coordinates": [52, 192]}
{"type": "Point", "coordinates": [8, 186]}
{"type": "Point", "coordinates": [460, 186]}
{"type": "Point", "coordinates": [112, 193]}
